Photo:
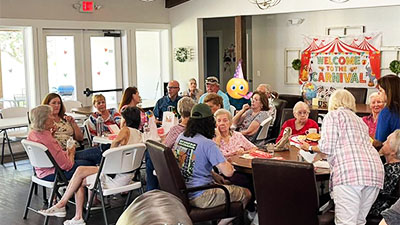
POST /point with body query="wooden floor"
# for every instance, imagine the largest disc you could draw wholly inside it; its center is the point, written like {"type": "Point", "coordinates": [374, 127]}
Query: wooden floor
{"type": "Point", "coordinates": [14, 188]}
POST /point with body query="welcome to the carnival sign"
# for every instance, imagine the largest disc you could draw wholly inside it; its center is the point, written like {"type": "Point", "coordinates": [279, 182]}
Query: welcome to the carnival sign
{"type": "Point", "coordinates": [341, 61]}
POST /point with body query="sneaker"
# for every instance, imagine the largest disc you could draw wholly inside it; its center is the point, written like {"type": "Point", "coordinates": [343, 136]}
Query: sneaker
{"type": "Point", "coordinates": [251, 215]}
{"type": "Point", "coordinates": [74, 222]}
{"type": "Point", "coordinates": [53, 211]}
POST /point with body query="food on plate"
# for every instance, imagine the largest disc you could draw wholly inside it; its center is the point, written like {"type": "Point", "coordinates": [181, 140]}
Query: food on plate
{"type": "Point", "coordinates": [313, 137]}
{"type": "Point", "coordinates": [301, 137]}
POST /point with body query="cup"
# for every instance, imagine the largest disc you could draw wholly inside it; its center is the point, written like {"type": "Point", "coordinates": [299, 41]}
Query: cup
{"type": "Point", "coordinates": [311, 131]}
{"type": "Point", "coordinates": [160, 131]}
{"type": "Point", "coordinates": [271, 149]}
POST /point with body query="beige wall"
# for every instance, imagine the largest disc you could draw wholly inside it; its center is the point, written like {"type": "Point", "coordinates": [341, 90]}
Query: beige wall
{"type": "Point", "coordinates": [185, 32]}
{"type": "Point", "coordinates": [273, 33]}
{"type": "Point", "coordinates": [112, 11]}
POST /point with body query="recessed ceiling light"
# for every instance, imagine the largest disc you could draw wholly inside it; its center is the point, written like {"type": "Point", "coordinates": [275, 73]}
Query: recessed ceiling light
{"type": "Point", "coordinates": [339, 1]}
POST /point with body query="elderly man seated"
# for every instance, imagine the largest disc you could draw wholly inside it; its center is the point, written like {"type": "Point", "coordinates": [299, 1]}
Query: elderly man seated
{"type": "Point", "coordinates": [212, 85]}
{"type": "Point", "coordinates": [300, 123]}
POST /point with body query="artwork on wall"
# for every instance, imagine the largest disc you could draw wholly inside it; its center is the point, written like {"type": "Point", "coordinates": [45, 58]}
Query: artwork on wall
{"type": "Point", "coordinates": [341, 60]}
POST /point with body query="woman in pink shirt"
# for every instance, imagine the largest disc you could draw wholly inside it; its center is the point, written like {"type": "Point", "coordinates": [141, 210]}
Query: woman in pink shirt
{"type": "Point", "coordinates": [229, 142]}
{"type": "Point", "coordinates": [41, 132]}
{"type": "Point", "coordinates": [376, 104]}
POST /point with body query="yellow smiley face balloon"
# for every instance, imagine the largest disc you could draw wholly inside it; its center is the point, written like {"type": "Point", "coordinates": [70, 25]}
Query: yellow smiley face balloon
{"type": "Point", "coordinates": [237, 88]}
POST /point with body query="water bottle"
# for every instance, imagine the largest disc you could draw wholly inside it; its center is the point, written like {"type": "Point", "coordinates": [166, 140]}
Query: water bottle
{"type": "Point", "coordinates": [70, 143]}
{"type": "Point", "coordinates": [99, 126]}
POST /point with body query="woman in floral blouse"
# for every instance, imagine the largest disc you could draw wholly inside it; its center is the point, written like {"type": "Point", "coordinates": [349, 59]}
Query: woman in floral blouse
{"type": "Point", "coordinates": [64, 126]}
{"type": "Point", "coordinates": [230, 142]}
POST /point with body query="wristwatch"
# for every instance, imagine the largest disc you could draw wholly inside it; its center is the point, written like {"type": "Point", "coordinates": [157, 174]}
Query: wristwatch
{"type": "Point", "coordinates": [310, 149]}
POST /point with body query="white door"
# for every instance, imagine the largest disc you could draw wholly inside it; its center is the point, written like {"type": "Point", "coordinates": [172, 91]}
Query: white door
{"type": "Point", "coordinates": [78, 59]}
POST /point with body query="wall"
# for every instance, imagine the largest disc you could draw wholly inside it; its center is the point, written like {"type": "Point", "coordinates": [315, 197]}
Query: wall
{"type": "Point", "coordinates": [184, 20]}
{"type": "Point", "coordinates": [112, 11]}
{"type": "Point", "coordinates": [272, 34]}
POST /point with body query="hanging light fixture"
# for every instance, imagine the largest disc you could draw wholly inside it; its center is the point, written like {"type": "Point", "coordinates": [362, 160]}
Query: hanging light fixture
{"type": "Point", "coordinates": [265, 4]}
{"type": "Point", "coordinates": [339, 1]}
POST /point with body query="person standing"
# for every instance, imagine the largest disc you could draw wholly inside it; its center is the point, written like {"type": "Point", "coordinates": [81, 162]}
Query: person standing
{"type": "Point", "coordinates": [356, 171]}
{"type": "Point", "coordinates": [389, 117]}
{"type": "Point", "coordinates": [212, 85]}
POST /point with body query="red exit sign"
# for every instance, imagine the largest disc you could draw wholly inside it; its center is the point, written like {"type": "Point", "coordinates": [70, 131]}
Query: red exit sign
{"type": "Point", "coordinates": [87, 6]}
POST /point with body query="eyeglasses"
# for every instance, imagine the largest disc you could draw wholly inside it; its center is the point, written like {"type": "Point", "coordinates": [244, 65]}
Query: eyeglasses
{"type": "Point", "coordinates": [303, 113]}
{"type": "Point", "coordinates": [172, 87]}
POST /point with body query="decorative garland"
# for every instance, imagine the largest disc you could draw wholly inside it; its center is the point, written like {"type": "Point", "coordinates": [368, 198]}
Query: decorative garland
{"type": "Point", "coordinates": [296, 64]}
{"type": "Point", "coordinates": [182, 54]}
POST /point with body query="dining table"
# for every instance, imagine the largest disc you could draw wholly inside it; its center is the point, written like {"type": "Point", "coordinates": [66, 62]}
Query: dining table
{"type": "Point", "coordinates": [146, 105]}
{"type": "Point", "coordinates": [243, 165]}
{"type": "Point", "coordinates": [361, 109]}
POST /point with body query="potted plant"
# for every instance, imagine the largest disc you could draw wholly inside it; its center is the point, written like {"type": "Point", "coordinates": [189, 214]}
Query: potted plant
{"type": "Point", "coordinates": [395, 66]}
{"type": "Point", "coordinates": [296, 64]}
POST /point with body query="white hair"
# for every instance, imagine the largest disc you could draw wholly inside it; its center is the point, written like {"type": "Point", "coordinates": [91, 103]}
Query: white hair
{"type": "Point", "coordinates": [300, 104]}
{"type": "Point", "coordinates": [395, 142]}
{"type": "Point", "coordinates": [39, 116]}
{"type": "Point", "coordinates": [342, 98]}
{"type": "Point", "coordinates": [373, 95]}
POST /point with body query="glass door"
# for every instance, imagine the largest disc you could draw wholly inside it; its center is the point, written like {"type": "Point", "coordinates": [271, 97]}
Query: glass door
{"type": "Point", "coordinates": [78, 59]}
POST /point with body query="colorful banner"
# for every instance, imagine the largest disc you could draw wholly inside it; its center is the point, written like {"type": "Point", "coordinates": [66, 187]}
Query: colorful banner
{"type": "Point", "coordinates": [341, 61]}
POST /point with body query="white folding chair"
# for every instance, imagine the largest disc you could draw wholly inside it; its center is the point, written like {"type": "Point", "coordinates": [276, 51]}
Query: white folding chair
{"type": "Point", "coordinates": [87, 132]}
{"type": "Point", "coordinates": [118, 160]}
{"type": "Point", "coordinates": [263, 131]}
{"type": "Point", "coordinates": [16, 133]}
{"type": "Point", "coordinates": [232, 109]}
{"type": "Point", "coordinates": [40, 157]}
{"type": "Point", "coordinates": [69, 104]}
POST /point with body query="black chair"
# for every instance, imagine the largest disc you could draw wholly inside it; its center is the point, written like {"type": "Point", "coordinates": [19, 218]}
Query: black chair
{"type": "Point", "coordinates": [360, 94]}
{"type": "Point", "coordinates": [171, 180]}
{"type": "Point", "coordinates": [291, 99]}
{"type": "Point", "coordinates": [280, 104]}
{"type": "Point", "coordinates": [297, 202]}
{"type": "Point", "coordinates": [288, 114]}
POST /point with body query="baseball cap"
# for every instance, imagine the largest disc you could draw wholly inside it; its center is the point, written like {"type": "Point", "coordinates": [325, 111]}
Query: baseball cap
{"type": "Point", "coordinates": [201, 111]}
{"type": "Point", "coordinates": [212, 80]}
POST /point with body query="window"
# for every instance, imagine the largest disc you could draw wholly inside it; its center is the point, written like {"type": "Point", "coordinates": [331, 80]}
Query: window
{"type": "Point", "coordinates": [12, 69]}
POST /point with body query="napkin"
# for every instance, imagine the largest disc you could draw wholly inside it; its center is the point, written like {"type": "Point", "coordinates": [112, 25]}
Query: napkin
{"type": "Point", "coordinates": [321, 164]}
{"type": "Point", "coordinates": [309, 157]}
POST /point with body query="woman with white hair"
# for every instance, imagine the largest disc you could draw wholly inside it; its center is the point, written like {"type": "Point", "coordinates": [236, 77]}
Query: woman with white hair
{"type": "Point", "coordinates": [230, 142]}
{"type": "Point", "coordinates": [376, 104]}
{"type": "Point", "coordinates": [300, 123]}
{"type": "Point", "coordinates": [356, 171]}
{"type": "Point", "coordinates": [185, 106]}
{"type": "Point", "coordinates": [155, 207]}
{"type": "Point", "coordinates": [391, 152]}
{"type": "Point", "coordinates": [42, 119]}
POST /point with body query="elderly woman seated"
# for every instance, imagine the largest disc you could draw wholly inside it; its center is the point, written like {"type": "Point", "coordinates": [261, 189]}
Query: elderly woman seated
{"type": "Point", "coordinates": [42, 119]}
{"type": "Point", "coordinates": [391, 151]}
{"type": "Point", "coordinates": [249, 118]}
{"type": "Point", "coordinates": [376, 104]}
{"type": "Point", "coordinates": [65, 126]}
{"type": "Point", "coordinates": [155, 207]}
{"type": "Point", "coordinates": [229, 142]}
{"type": "Point", "coordinates": [214, 101]}
{"type": "Point", "coordinates": [300, 123]}
{"type": "Point", "coordinates": [86, 175]}
{"type": "Point", "coordinates": [110, 116]}
{"type": "Point", "coordinates": [185, 106]}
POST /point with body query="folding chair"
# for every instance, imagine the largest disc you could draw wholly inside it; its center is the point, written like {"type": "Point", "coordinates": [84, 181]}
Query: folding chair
{"type": "Point", "coordinates": [19, 134]}
{"type": "Point", "coordinates": [87, 131]}
{"type": "Point", "coordinates": [262, 132]}
{"type": "Point", "coordinates": [117, 160]}
{"type": "Point", "coordinates": [39, 156]}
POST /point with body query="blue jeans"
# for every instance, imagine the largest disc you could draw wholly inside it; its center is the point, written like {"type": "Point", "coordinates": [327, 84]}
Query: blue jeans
{"type": "Point", "coordinates": [151, 180]}
{"type": "Point", "coordinates": [87, 157]}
